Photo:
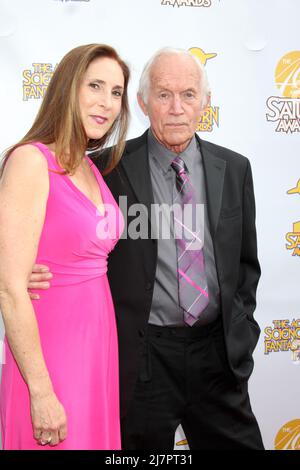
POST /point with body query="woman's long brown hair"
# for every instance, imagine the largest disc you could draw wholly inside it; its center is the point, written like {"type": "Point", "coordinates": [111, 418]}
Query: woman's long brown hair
{"type": "Point", "coordinates": [58, 120]}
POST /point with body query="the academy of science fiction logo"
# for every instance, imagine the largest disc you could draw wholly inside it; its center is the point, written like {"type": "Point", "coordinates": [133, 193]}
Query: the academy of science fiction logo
{"type": "Point", "coordinates": [210, 116]}
{"type": "Point", "coordinates": [284, 335]}
{"type": "Point", "coordinates": [293, 237]}
{"type": "Point", "coordinates": [187, 3]}
{"type": "Point", "coordinates": [285, 109]}
{"type": "Point", "coordinates": [36, 80]}
{"type": "Point", "coordinates": [288, 437]}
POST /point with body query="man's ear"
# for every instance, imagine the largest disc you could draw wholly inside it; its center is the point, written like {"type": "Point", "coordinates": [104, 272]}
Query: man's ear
{"type": "Point", "coordinates": [142, 104]}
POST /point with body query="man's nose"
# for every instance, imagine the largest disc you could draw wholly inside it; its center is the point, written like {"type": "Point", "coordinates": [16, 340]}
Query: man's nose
{"type": "Point", "coordinates": [177, 105]}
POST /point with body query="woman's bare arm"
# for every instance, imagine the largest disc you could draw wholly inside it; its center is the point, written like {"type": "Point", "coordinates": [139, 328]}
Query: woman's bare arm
{"type": "Point", "coordinates": [24, 188]}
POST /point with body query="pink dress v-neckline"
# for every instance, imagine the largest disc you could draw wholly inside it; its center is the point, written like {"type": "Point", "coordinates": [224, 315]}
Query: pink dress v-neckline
{"type": "Point", "coordinates": [80, 193]}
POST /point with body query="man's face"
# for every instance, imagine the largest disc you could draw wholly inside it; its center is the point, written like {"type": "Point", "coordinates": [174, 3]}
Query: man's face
{"type": "Point", "coordinates": [175, 98]}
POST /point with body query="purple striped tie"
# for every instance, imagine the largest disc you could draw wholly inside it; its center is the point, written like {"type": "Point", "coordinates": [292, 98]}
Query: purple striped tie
{"type": "Point", "coordinates": [193, 290]}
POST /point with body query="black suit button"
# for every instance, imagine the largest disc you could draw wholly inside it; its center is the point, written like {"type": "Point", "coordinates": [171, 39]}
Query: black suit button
{"type": "Point", "coordinates": [142, 333]}
{"type": "Point", "coordinates": [149, 286]}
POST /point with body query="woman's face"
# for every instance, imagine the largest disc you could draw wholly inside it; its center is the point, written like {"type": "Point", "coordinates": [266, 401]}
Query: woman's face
{"type": "Point", "coordinates": [100, 96]}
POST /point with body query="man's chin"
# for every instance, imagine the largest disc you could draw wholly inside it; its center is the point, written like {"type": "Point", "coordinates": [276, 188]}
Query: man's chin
{"type": "Point", "coordinates": [178, 139]}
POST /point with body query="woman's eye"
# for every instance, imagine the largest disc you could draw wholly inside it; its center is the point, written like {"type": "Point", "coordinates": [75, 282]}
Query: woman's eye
{"type": "Point", "coordinates": [95, 86]}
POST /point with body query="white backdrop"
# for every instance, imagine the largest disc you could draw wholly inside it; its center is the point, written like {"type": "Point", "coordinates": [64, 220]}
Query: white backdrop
{"type": "Point", "coordinates": [249, 47]}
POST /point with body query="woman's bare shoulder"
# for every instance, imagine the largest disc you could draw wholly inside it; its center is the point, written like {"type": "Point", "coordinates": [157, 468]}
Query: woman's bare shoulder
{"type": "Point", "coordinates": [26, 159]}
{"type": "Point", "coordinates": [28, 153]}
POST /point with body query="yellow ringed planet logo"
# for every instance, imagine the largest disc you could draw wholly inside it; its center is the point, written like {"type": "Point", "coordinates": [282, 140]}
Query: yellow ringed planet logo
{"type": "Point", "coordinates": [210, 116]}
{"type": "Point", "coordinates": [295, 190]}
{"type": "Point", "coordinates": [201, 55]}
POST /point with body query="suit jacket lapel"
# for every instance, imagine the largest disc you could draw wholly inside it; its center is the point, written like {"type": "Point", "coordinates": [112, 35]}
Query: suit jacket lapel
{"type": "Point", "coordinates": [136, 165]}
{"type": "Point", "coordinates": [214, 171]}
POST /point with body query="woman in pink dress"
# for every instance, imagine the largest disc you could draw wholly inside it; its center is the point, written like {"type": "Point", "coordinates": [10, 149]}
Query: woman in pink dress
{"type": "Point", "coordinates": [60, 383]}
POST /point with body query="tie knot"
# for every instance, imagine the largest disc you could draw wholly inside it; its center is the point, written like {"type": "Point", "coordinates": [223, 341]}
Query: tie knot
{"type": "Point", "coordinates": [178, 165]}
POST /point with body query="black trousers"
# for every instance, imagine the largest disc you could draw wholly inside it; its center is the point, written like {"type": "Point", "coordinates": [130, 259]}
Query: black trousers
{"type": "Point", "coordinates": [185, 379]}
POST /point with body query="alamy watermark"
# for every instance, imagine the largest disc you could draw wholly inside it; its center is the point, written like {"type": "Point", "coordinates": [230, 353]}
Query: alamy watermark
{"type": "Point", "coordinates": [159, 221]}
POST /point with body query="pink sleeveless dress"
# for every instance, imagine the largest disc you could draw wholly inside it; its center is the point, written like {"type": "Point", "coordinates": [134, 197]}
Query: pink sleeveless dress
{"type": "Point", "coordinates": [76, 322]}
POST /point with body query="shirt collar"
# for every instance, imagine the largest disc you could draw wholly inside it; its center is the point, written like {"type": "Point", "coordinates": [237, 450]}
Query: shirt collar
{"type": "Point", "coordinates": [164, 156]}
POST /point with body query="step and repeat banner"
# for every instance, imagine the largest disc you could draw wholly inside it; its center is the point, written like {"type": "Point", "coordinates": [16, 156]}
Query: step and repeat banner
{"type": "Point", "coordinates": [251, 51]}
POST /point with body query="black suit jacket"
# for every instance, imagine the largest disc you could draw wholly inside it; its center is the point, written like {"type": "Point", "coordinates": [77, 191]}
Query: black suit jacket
{"type": "Point", "coordinates": [132, 264]}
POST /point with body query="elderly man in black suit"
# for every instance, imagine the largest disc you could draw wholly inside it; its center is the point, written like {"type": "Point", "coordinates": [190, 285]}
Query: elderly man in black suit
{"type": "Point", "coordinates": [185, 316]}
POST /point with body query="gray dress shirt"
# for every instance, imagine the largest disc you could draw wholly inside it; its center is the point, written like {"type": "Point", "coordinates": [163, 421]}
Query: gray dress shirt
{"type": "Point", "coordinates": [165, 310]}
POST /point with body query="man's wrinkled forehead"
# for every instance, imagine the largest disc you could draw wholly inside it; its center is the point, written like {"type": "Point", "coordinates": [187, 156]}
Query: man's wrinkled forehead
{"type": "Point", "coordinates": [169, 81]}
{"type": "Point", "coordinates": [169, 71]}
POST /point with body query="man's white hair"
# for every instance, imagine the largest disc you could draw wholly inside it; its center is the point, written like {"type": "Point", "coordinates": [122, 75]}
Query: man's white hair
{"type": "Point", "coordinates": [144, 84]}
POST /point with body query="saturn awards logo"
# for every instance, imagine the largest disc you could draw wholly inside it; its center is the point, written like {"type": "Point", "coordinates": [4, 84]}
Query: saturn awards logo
{"type": "Point", "coordinates": [36, 80]}
{"type": "Point", "coordinates": [187, 3]}
{"type": "Point", "coordinates": [285, 109]}
{"type": "Point", "coordinates": [288, 437]}
{"type": "Point", "coordinates": [210, 116]}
